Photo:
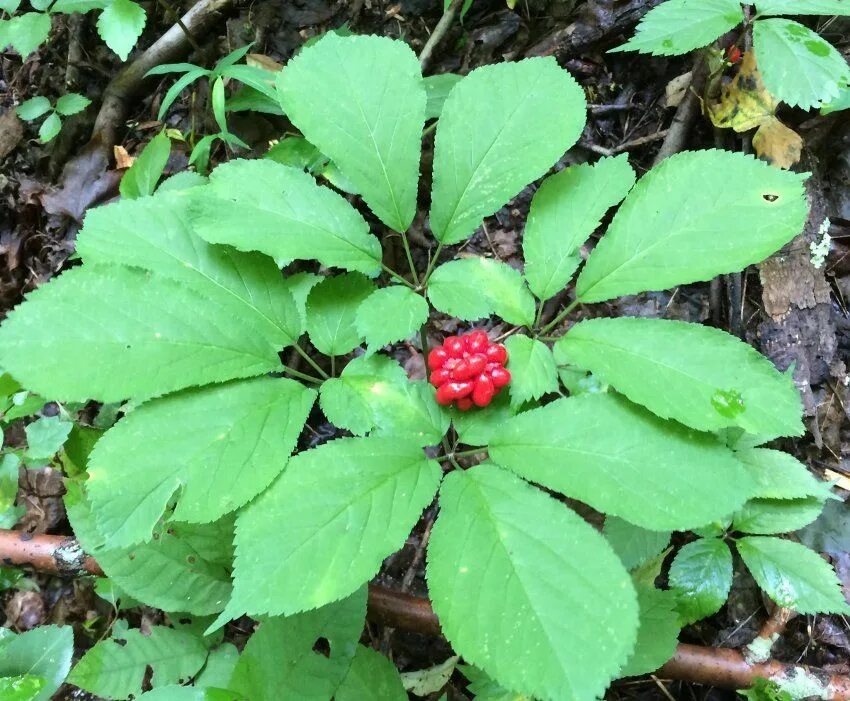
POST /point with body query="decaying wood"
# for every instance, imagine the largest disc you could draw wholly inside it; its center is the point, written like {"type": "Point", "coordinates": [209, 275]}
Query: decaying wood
{"type": "Point", "coordinates": [703, 665]}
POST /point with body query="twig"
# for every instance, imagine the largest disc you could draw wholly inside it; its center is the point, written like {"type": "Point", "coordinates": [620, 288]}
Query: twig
{"type": "Point", "coordinates": [686, 113]}
{"type": "Point", "coordinates": [626, 145]}
{"type": "Point", "coordinates": [170, 46]}
{"type": "Point", "coordinates": [759, 649]}
{"type": "Point", "coordinates": [169, 8]}
{"type": "Point", "coordinates": [721, 667]}
{"type": "Point", "coordinates": [439, 33]}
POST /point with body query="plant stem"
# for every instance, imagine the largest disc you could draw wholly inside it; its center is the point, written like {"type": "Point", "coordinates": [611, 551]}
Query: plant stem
{"type": "Point", "coordinates": [313, 364]}
{"type": "Point", "coordinates": [431, 265]}
{"type": "Point", "coordinates": [409, 255]}
{"type": "Point", "coordinates": [333, 366]}
{"type": "Point", "coordinates": [539, 314]}
{"type": "Point", "coordinates": [558, 319]}
{"type": "Point", "coordinates": [423, 341]}
{"type": "Point", "coordinates": [397, 277]}
{"type": "Point", "coordinates": [301, 376]}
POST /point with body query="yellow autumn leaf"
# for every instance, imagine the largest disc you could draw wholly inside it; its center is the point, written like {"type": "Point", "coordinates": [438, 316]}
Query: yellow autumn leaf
{"type": "Point", "coordinates": [777, 144]}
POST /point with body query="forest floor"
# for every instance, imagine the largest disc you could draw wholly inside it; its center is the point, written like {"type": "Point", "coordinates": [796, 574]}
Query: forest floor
{"type": "Point", "coordinates": [792, 311]}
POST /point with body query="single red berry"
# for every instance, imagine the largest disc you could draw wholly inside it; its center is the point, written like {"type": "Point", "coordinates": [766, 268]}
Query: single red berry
{"type": "Point", "coordinates": [733, 54]}
{"type": "Point", "coordinates": [497, 353]}
{"type": "Point", "coordinates": [473, 366]}
{"type": "Point", "coordinates": [436, 358]}
{"type": "Point", "coordinates": [484, 390]}
{"type": "Point", "coordinates": [439, 377]}
{"type": "Point", "coordinates": [454, 347]}
{"type": "Point", "coordinates": [477, 342]}
{"type": "Point", "coordinates": [500, 377]}
{"type": "Point", "coordinates": [464, 404]}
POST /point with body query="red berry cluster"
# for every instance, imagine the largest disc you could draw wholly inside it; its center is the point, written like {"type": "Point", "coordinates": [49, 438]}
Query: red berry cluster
{"type": "Point", "coordinates": [468, 370]}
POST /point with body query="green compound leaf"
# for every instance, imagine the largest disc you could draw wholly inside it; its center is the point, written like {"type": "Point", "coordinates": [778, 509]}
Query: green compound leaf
{"type": "Point", "coordinates": [141, 178]}
{"type": "Point", "coordinates": [565, 211]}
{"type": "Point", "coordinates": [695, 216]}
{"type": "Point", "coordinates": [622, 460]}
{"type": "Point", "coordinates": [797, 65]}
{"type": "Point", "coordinates": [33, 108]}
{"type": "Point", "coordinates": [473, 288]}
{"type": "Point", "coordinates": [842, 102]}
{"type": "Point", "coordinates": [792, 575]}
{"type": "Point", "coordinates": [331, 518]}
{"type": "Point", "coordinates": [361, 101]}
{"type": "Point", "coordinates": [527, 590]}
{"type": "Point", "coordinates": [437, 89]}
{"type": "Point", "coordinates": [43, 652]}
{"type": "Point", "coordinates": [678, 26]}
{"type": "Point", "coordinates": [279, 661]}
{"type": "Point", "coordinates": [771, 516]}
{"type": "Point", "coordinates": [115, 667]}
{"type": "Point", "coordinates": [700, 376]}
{"type": "Point", "coordinates": [701, 576]}
{"type": "Point", "coordinates": [332, 312]}
{"type": "Point", "coordinates": [155, 234]}
{"type": "Point", "coordinates": [219, 446]}
{"type": "Point", "coordinates": [779, 475]}
{"type": "Point", "coordinates": [766, 8]}
{"type": "Point", "coordinates": [373, 394]}
{"type": "Point", "coordinates": [186, 568]}
{"type": "Point", "coordinates": [371, 676]}
{"type": "Point", "coordinates": [390, 314]}
{"type": "Point", "coordinates": [26, 32]}
{"type": "Point", "coordinates": [501, 127]}
{"type": "Point", "coordinates": [292, 218]}
{"type": "Point", "coordinates": [478, 427]}
{"type": "Point", "coordinates": [71, 103]}
{"type": "Point", "coordinates": [658, 632]}
{"type": "Point", "coordinates": [120, 25]}
{"type": "Point", "coordinates": [634, 545]}
{"type": "Point", "coordinates": [533, 371]}
{"type": "Point", "coordinates": [150, 336]}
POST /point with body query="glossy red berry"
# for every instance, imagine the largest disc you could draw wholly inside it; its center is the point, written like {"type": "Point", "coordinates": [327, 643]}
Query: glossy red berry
{"type": "Point", "coordinates": [468, 370]}
{"type": "Point", "coordinates": [733, 54]}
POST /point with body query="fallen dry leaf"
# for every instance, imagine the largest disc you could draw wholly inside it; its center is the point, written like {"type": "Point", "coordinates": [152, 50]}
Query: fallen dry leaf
{"type": "Point", "coordinates": [11, 132]}
{"type": "Point", "coordinates": [746, 104]}
{"type": "Point", "coordinates": [122, 158]}
{"type": "Point", "coordinates": [263, 61]}
{"type": "Point", "coordinates": [676, 89]}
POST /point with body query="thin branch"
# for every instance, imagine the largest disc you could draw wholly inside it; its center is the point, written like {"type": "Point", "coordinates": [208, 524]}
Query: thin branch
{"type": "Point", "coordinates": [439, 33]}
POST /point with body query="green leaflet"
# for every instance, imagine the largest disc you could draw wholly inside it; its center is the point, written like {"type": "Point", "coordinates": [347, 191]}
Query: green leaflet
{"type": "Point", "coordinates": [695, 216]}
{"type": "Point", "coordinates": [437, 90]}
{"type": "Point", "coordinates": [390, 314]}
{"type": "Point", "coordinates": [373, 394]}
{"type": "Point", "coordinates": [361, 101]}
{"type": "Point", "coordinates": [46, 436]}
{"type": "Point", "coordinates": [155, 234]}
{"type": "Point", "coordinates": [332, 312]}
{"type": "Point", "coordinates": [371, 676]}
{"type": "Point", "coordinates": [26, 32]}
{"type": "Point", "coordinates": [792, 575]}
{"type": "Point", "coordinates": [331, 518]}
{"type": "Point", "coordinates": [279, 661]}
{"type": "Point", "coordinates": [842, 102]}
{"type": "Point", "coordinates": [220, 446]}
{"type": "Point", "coordinates": [700, 376]}
{"type": "Point", "coordinates": [634, 545]}
{"type": "Point", "coordinates": [186, 568]}
{"type": "Point", "coordinates": [292, 218]}
{"type": "Point", "coordinates": [701, 576]}
{"type": "Point", "coordinates": [679, 26]}
{"type": "Point", "coordinates": [797, 65]}
{"type": "Point", "coordinates": [473, 288]}
{"type": "Point", "coordinates": [622, 460]}
{"type": "Point", "coordinates": [116, 670]}
{"type": "Point", "coordinates": [765, 8]}
{"type": "Point", "coordinates": [190, 693]}
{"type": "Point", "coordinates": [141, 178]}
{"type": "Point", "coordinates": [564, 213]}
{"type": "Point", "coordinates": [658, 631]}
{"type": "Point", "coordinates": [43, 652]}
{"type": "Point", "coordinates": [150, 336]}
{"type": "Point", "coordinates": [485, 689]}
{"type": "Point", "coordinates": [769, 516]}
{"type": "Point", "coordinates": [779, 475]}
{"type": "Point", "coordinates": [529, 591]}
{"type": "Point", "coordinates": [501, 127]}
{"type": "Point", "coordinates": [478, 427]}
{"type": "Point", "coordinates": [831, 531]}
{"type": "Point", "coordinates": [120, 25]}
{"type": "Point", "coordinates": [533, 371]}
{"type": "Point", "coordinates": [22, 687]}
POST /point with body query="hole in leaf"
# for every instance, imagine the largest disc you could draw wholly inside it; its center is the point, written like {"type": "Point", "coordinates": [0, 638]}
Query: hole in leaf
{"type": "Point", "coordinates": [322, 647]}
{"type": "Point", "coordinates": [770, 198]}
